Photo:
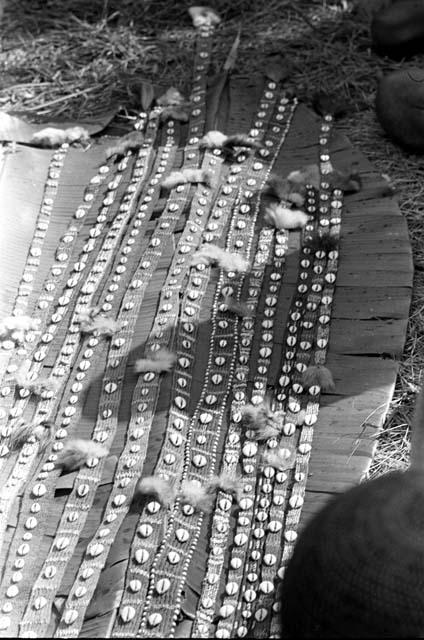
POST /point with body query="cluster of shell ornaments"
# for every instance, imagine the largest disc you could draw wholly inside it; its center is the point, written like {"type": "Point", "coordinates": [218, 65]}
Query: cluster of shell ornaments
{"type": "Point", "coordinates": [224, 492]}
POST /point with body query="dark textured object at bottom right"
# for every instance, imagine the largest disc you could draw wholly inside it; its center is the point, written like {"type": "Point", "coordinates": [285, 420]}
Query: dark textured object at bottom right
{"type": "Point", "coordinates": [397, 30]}
{"type": "Point", "coordinates": [357, 570]}
{"type": "Point", "coordinates": [400, 107]}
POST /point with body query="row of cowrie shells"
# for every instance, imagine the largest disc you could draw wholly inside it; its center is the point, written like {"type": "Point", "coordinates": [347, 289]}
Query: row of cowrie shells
{"type": "Point", "coordinates": [170, 459]}
{"type": "Point", "coordinates": [221, 517]}
{"type": "Point", "coordinates": [272, 626]}
{"type": "Point", "coordinates": [170, 456]}
{"type": "Point", "coordinates": [40, 489]}
{"type": "Point", "coordinates": [240, 561]}
{"type": "Point", "coordinates": [260, 555]}
{"type": "Point", "coordinates": [102, 431]}
{"type": "Point", "coordinates": [205, 614]}
{"type": "Point", "coordinates": [64, 626]}
{"type": "Point", "coordinates": [42, 410]}
{"type": "Point", "coordinates": [29, 272]}
{"type": "Point", "coordinates": [201, 467]}
{"type": "Point", "coordinates": [9, 408]}
{"type": "Point", "coordinates": [290, 380]}
{"type": "Point", "coordinates": [63, 301]}
{"type": "Point", "coordinates": [63, 250]}
{"type": "Point", "coordinates": [267, 563]}
{"type": "Point", "coordinates": [148, 384]}
{"type": "Point", "coordinates": [298, 490]}
{"type": "Point", "coordinates": [42, 224]}
{"type": "Point", "coordinates": [274, 513]}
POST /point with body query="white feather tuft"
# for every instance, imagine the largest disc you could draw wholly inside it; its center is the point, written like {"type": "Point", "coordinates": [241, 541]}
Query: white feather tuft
{"type": "Point", "coordinates": [193, 493]}
{"type": "Point", "coordinates": [203, 16]}
{"type": "Point", "coordinates": [213, 140]}
{"type": "Point", "coordinates": [280, 459]}
{"type": "Point", "coordinates": [186, 176]}
{"type": "Point", "coordinates": [171, 98]}
{"type": "Point", "coordinates": [284, 218]}
{"type": "Point", "coordinates": [158, 487]}
{"type": "Point", "coordinates": [198, 175]}
{"type": "Point", "coordinates": [308, 174]}
{"type": "Point", "coordinates": [76, 453]}
{"type": "Point", "coordinates": [174, 113]}
{"type": "Point", "coordinates": [162, 360]}
{"type": "Point", "coordinates": [37, 386]}
{"type": "Point", "coordinates": [241, 140]}
{"type": "Point", "coordinates": [91, 321]}
{"type": "Point", "coordinates": [174, 179]}
{"type": "Point", "coordinates": [51, 137]}
{"type": "Point", "coordinates": [130, 142]}
{"type": "Point", "coordinates": [211, 254]}
{"type": "Point", "coordinates": [218, 140]}
{"type": "Point", "coordinates": [15, 327]}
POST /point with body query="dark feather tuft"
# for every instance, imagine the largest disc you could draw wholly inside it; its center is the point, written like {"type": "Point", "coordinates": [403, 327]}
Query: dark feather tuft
{"type": "Point", "coordinates": [329, 104]}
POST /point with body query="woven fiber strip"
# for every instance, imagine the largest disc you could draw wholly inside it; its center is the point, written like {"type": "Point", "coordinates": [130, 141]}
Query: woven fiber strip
{"type": "Point", "coordinates": [47, 474]}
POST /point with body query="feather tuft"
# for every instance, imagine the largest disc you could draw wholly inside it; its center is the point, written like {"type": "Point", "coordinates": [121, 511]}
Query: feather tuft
{"type": "Point", "coordinates": [262, 420]}
{"type": "Point", "coordinates": [320, 376]}
{"type": "Point", "coordinates": [240, 309]}
{"type": "Point", "coordinates": [203, 16]}
{"type": "Point", "coordinates": [213, 140]}
{"type": "Point", "coordinates": [50, 137]}
{"type": "Point", "coordinates": [217, 140]}
{"type": "Point", "coordinates": [346, 181]}
{"type": "Point", "coordinates": [158, 487]}
{"type": "Point", "coordinates": [277, 187]}
{"type": "Point", "coordinates": [241, 140]}
{"type": "Point", "coordinates": [309, 174]}
{"type": "Point", "coordinates": [171, 98]}
{"type": "Point", "coordinates": [104, 326]}
{"type": "Point", "coordinates": [174, 179]}
{"type": "Point", "coordinates": [325, 242]}
{"type": "Point", "coordinates": [130, 142]}
{"type": "Point", "coordinates": [174, 113]}
{"type": "Point", "coordinates": [280, 459]}
{"type": "Point", "coordinates": [211, 254]}
{"type": "Point", "coordinates": [285, 191]}
{"type": "Point", "coordinates": [91, 321]}
{"type": "Point", "coordinates": [198, 175]}
{"type": "Point", "coordinates": [37, 386]}
{"type": "Point", "coordinates": [186, 176]}
{"type": "Point", "coordinates": [198, 496]}
{"type": "Point", "coordinates": [282, 217]}
{"type": "Point", "coordinates": [329, 104]}
{"type": "Point", "coordinates": [162, 360]}
{"type": "Point", "coordinates": [226, 483]}
{"type": "Point", "coordinates": [24, 432]}
{"type": "Point", "coordinates": [78, 451]}
{"type": "Point", "coordinates": [15, 327]}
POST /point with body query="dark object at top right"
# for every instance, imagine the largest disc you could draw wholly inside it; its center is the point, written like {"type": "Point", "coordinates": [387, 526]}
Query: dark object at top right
{"type": "Point", "coordinates": [398, 30]}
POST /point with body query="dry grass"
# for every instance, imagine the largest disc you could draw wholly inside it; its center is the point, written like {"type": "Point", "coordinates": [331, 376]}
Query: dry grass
{"type": "Point", "coordinates": [77, 58]}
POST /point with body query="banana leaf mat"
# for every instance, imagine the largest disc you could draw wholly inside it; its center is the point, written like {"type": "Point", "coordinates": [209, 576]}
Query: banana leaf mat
{"type": "Point", "coordinates": [163, 334]}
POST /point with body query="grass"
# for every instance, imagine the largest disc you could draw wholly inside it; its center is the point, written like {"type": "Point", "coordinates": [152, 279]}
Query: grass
{"type": "Point", "coordinates": [78, 58]}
